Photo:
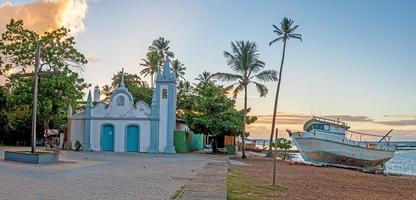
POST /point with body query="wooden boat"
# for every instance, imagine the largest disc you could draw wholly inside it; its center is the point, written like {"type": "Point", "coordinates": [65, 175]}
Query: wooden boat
{"type": "Point", "coordinates": [324, 142]}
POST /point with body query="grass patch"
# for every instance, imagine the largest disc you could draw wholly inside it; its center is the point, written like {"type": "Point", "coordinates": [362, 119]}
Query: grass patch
{"type": "Point", "coordinates": [177, 193]}
{"type": "Point", "coordinates": [246, 188]}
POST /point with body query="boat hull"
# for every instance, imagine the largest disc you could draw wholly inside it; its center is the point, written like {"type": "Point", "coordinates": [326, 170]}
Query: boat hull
{"type": "Point", "coordinates": [321, 151]}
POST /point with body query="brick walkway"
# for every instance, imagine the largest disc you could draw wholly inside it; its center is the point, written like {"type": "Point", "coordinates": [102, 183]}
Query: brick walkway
{"type": "Point", "coordinates": [100, 175]}
{"type": "Point", "coordinates": [208, 184]}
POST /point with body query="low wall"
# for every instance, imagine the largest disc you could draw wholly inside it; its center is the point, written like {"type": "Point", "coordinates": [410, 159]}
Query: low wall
{"type": "Point", "coordinates": [34, 158]}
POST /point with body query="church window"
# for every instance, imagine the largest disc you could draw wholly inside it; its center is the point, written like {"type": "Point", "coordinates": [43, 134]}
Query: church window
{"type": "Point", "coordinates": [164, 93]}
{"type": "Point", "coordinates": [120, 101]}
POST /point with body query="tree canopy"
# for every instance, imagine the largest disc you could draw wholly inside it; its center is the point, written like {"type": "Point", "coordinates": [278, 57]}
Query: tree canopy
{"type": "Point", "coordinates": [138, 88]}
{"type": "Point", "coordinates": [211, 112]}
{"type": "Point", "coordinates": [56, 92]}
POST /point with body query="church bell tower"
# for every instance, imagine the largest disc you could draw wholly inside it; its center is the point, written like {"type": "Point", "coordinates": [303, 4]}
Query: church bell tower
{"type": "Point", "coordinates": [163, 111]}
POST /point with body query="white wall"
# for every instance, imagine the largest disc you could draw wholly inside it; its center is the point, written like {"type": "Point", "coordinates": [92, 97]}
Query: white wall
{"type": "Point", "coordinates": [120, 127]}
{"type": "Point", "coordinates": [77, 131]}
{"type": "Point", "coordinates": [181, 126]}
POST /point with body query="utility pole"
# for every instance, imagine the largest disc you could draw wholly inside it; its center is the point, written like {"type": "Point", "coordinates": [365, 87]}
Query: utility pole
{"type": "Point", "coordinates": [274, 159]}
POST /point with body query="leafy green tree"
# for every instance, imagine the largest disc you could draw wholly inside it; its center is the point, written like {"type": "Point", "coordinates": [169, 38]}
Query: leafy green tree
{"type": "Point", "coordinates": [138, 89]}
{"type": "Point", "coordinates": [212, 112]}
{"type": "Point", "coordinates": [283, 143]}
{"type": "Point", "coordinates": [130, 80]}
{"type": "Point", "coordinates": [56, 92]}
{"type": "Point", "coordinates": [284, 33]}
{"type": "Point", "coordinates": [3, 118]}
{"type": "Point", "coordinates": [183, 97]}
{"type": "Point", "coordinates": [244, 60]}
{"type": "Point", "coordinates": [161, 46]}
{"type": "Point", "coordinates": [151, 64]}
{"type": "Point", "coordinates": [179, 69]}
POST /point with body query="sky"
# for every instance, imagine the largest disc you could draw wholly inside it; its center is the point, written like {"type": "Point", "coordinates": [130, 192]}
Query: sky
{"type": "Point", "coordinates": [357, 60]}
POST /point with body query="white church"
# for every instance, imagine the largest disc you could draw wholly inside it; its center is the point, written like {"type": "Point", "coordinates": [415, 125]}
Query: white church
{"type": "Point", "coordinates": [126, 126]}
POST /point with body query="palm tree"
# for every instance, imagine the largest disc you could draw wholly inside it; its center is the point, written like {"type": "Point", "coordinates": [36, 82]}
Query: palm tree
{"type": "Point", "coordinates": [151, 64]}
{"type": "Point", "coordinates": [178, 69]}
{"type": "Point", "coordinates": [205, 77]}
{"type": "Point", "coordinates": [161, 46]}
{"type": "Point", "coordinates": [107, 90]}
{"type": "Point", "coordinates": [244, 60]}
{"type": "Point", "coordinates": [284, 33]}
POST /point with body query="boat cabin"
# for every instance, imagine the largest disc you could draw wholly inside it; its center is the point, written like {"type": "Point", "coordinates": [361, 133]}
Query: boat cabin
{"type": "Point", "coordinates": [326, 125]}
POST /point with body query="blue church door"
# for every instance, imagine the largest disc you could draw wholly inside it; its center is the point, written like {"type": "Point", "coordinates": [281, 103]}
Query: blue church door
{"type": "Point", "coordinates": [108, 138]}
{"type": "Point", "coordinates": [132, 139]}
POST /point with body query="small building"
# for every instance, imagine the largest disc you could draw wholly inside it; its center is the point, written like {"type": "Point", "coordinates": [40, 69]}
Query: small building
{"type": "Point", "coordinates": [126, 126]}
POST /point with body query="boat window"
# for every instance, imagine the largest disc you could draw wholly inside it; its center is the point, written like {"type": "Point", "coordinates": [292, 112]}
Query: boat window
{"type": "Point", "coordinates": [319, 127]}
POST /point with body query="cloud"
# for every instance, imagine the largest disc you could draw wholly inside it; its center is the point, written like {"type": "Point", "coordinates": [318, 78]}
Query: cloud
{"type": "Point", "coordinates": [404, 122]}
{"type": "Point", "coordinates": [92, 57]}
{"type": "Point", "coordinates": [294, 121]}
{"type": "Point", "coordinates": [46, 15]}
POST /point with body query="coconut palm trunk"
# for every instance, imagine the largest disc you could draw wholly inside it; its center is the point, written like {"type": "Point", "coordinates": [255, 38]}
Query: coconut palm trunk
{"type": "Point", "coordinates": [151, 80]}
{"type": "Point", "coordinates": [276, 100]}
{"type": "Point", "coordinates": [243, 135]}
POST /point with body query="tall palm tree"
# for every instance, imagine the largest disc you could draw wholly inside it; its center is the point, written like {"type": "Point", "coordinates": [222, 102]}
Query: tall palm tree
{"type": "Point", "coordinates": [244, 60]}
{"type": "Point", "coordinates": [161, 46]}
{"type": "Point", "coordinates": [284, 33]}
{"type": "Point", "coordinates": [178, 69]}
{"type": "Point", "coordinates": [205, 77]}
{"type": "Point", "coordinates": [151, 64]}
{"type": "Point", "coordinates": [107, 90]}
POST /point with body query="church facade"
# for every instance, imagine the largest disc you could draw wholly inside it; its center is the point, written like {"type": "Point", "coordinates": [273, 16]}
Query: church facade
{"type": "Point", "coordinates": [126, 126]}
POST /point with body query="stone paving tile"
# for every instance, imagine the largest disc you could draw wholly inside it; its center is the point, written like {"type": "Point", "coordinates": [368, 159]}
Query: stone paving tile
{"type": "Point", "coordinates": [102, 175]}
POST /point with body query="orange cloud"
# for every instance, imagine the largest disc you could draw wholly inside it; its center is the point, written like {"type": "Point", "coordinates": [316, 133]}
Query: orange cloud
{"type": "Point", "coordinates": [46, 15]}
{"type": "Point", "coordinates": [404, 128]}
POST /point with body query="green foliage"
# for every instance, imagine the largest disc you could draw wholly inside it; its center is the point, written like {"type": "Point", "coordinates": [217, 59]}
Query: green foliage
{"type": "Point", "coordinates": [210, 111]}
{"type": "Point", "coordinates": [138, 89]}
{"type": "Point", "coordinates": [183, 97]}
{"type": "Point", "coordinates": [286, 31]}
{"type": "Point", "coordinates": [283, 143]}
{"type": "Point", "coordinates": [56, 92]}
{"type": "Point", "coordinates": [78, 145]}
{"type": "Point", "coordinates": [161, 46]}
{"type": "Point", "coordinates": [178, 69]}
{"type": "Point", "coordinates": [151, 65]}
{"type": "Point", "coordinates": [205, 78]}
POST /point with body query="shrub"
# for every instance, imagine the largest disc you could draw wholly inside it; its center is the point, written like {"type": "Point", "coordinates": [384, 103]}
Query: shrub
{"type": "Point", "coordinates": [78, 145]}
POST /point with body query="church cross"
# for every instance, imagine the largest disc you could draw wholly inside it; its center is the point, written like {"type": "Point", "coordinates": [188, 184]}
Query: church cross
{"type": "Point", "coordinates": [122, 78]}
{"type": "Point", "coordinates": [35, 76]}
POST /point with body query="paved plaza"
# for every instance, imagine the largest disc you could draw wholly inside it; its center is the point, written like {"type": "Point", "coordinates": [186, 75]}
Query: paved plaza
{"type": "Point", "coordinates": [103, 175]}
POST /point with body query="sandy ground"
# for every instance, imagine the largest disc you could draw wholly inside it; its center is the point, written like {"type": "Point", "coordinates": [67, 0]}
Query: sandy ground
{"type": "Point", "coordinates": [310, 182]}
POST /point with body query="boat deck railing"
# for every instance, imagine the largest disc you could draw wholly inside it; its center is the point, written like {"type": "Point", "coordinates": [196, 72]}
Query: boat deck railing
{"type": "Point", "coordinates": [337, 122]}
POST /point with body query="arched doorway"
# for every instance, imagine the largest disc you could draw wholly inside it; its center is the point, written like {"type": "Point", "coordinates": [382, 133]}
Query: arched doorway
{"type": "Point", "coordinates": [107, 141]}
{"type": "Point", "coordinates": [132, 138]}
